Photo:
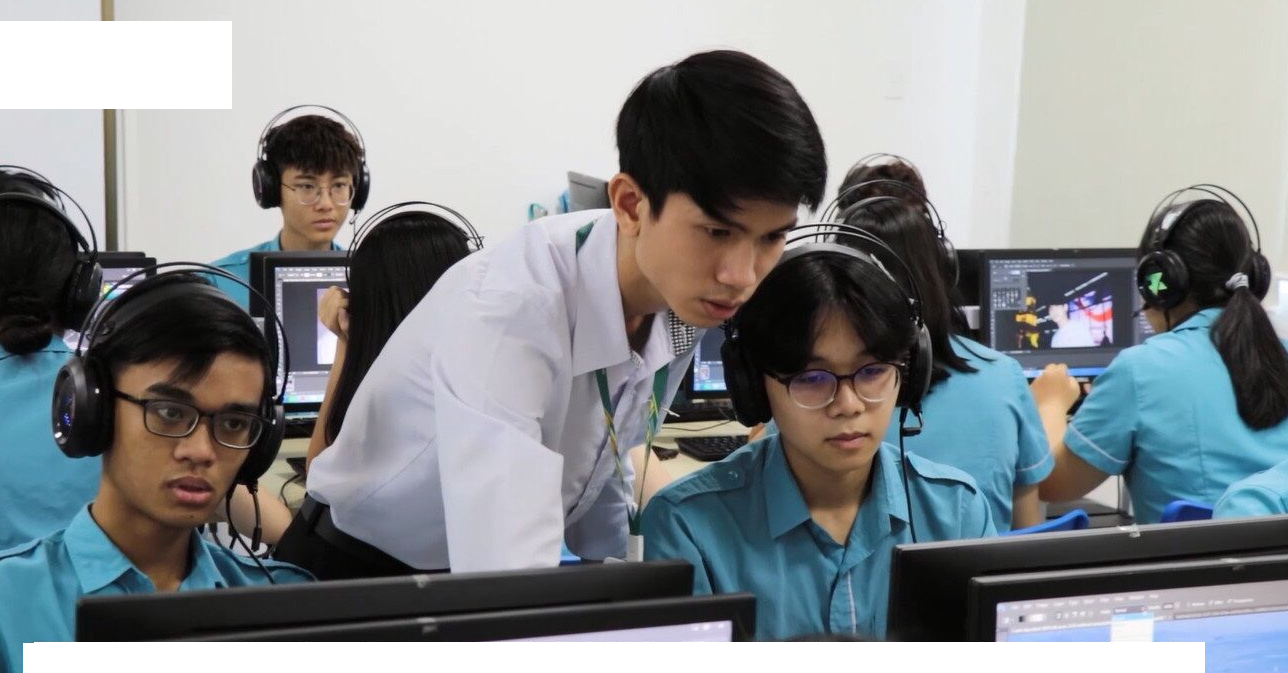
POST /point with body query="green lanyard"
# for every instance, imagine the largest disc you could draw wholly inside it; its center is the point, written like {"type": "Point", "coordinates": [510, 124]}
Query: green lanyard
{"type": "Point", "coordinates": [650, 425]}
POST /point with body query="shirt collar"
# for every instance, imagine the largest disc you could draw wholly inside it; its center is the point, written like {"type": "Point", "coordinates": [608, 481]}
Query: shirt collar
{"type": "Point", "coordinates": [275, 245]}
{"type": "Point", "coordinates": [98, 562]}
{"type": "Point", "coordinates": [55, 345]}
{"type": "Point", "coordinates": [785, 507]}
{"type": "Point", "coordinates": [1200, 320]}
{"type": "Point", "coordinates": [599, 338]}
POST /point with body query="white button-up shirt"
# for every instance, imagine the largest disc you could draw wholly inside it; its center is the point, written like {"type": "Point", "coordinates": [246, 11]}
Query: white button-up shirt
{"type": "Point", "coordinates": [477, 439]}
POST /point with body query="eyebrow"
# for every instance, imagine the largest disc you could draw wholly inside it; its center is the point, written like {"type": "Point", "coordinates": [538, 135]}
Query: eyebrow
{"type": "Point", "coordinates": [180, 395]}
{"type": "Point", "coordinates": [815, 359]}
{"type": "Point", "coordinates": [734, 224]}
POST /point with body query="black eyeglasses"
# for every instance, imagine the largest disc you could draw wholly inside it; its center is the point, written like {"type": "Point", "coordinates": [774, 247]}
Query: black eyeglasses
{"type": "Point", "coordinates": [816, 388]}
{"type": "Point", "coordinates": [167, 418]}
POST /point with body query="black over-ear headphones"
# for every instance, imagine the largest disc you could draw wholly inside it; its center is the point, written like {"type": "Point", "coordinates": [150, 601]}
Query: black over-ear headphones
{"type": "Point", "coordinates": [1162, 278]}
{"type": "Point", "coordinates": [86, 280]}
{"type": "Point", "coordinates": [85, 395]}
{"type": "Point", "coordinates": [266, 181]}
{"type": "Point", "coordinates": [947, 253]}
{"type": "Point", "coordinates": [472, 237]}
{"type": "Point", "coordinates": [745, 379]}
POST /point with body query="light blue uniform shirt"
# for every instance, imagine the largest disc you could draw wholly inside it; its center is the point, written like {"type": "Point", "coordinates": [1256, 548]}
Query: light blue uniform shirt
{"type": "Point", "coordinates": [744, 526]}
{"type": "Point", "coordinates": [1163, 415]}
{"type": "Point", "coordinates": [238, 264]}
{"type": "Point", "coordinates": [42, 580]}
{"type": "Point", "coordinates": [986, 424]}
{"type": "Point", "coordinates": [1262, 494]}
{"type": "Point", "coordinates": [40, 488]}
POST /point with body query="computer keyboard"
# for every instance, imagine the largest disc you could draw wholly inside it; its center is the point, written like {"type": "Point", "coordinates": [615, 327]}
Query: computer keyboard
{"type": "Point", "coordinates": [710, 447]}
{"type": "Point", "coordinates": [688, 412]}
{"type": "Point", "coordinates": [300, 427]}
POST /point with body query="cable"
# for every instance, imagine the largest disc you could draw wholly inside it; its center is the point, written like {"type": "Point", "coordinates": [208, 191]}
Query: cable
{"type": "Point", "coordinates": [281, 492]}
{"type": "Point", "coordinates": [903, 467]}
{"type": "Point", "coordinates": [237, 538]}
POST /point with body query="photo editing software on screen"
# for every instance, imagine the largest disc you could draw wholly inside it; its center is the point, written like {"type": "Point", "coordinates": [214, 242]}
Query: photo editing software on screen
{"type": "Point", "coordinates": [1062, 307]}
{"type": "Point", "coordinates": [708, 368]}
{"type": "Point", "coordinates": [297, 291]}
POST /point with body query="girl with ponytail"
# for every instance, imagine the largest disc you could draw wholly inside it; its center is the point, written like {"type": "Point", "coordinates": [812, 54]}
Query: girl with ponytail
{"type": "Point", "coordinates": [1200, 405]}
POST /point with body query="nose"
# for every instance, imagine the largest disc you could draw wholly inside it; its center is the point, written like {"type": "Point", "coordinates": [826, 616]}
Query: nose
{"type": "Point", "coordinates": [847, 401]}
{"type": "Point", "coordinates": [738, 268]}
{"type": "Point", "coordinates": [199, 447]}
{"type": "Point", "coordinates": [325, 202]}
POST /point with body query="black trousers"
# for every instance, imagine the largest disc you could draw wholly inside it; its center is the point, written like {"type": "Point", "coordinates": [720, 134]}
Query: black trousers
{"type": "Point", "coordinates": [313, 542]}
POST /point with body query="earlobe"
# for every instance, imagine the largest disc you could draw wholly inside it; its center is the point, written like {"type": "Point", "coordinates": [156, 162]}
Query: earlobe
{"type": "Point", "coordinates": [629, 204]}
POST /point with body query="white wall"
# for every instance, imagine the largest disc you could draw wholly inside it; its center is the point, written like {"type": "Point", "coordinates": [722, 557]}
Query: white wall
{"type": "Point", "coordinates": [484, 105]}
{"type": "Point", "coordinates": [65, 146]}
{"type": "Point", "coordinates": [43, 10]}
{"type": "Point", "coordinates": [1123, 102]}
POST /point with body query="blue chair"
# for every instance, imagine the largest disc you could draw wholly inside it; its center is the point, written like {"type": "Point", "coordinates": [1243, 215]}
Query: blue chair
{"type": "Point", "coordinates": [1074, 519]}
{"type": "Point", "coordinates": [566, 557]}
{"type": "Point", "coordinates": [1185, 510]}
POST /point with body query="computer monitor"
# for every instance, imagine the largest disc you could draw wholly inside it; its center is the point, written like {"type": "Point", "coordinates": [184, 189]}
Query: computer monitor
{"type": "Point", "coordinates": [1076, 307]}
{"type": "Point", "coordinates": [968, 280]}
{"type": "Point", "coordinates": [722, 617]}
{"type": "Point", "coordinates": [293, 283]}
{"type": "Point", "coordinates": [929, 581]}
{"type": "Point", "coordinates": [116, 267]}
{"type": "Point", "coordinates": [195, 614]}
{"type": "Point", "coordinates": [705, 378]}
{"type": "Point", "coordinates": [586, 193]}
{"type": "Point", "coordinates": [1237, 607]}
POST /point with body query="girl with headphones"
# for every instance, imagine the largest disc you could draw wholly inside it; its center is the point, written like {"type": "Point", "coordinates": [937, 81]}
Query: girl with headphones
{"type": "Point", "coordinates": [175, 394]}
{"type": "Point", "coordinates": [805, 518]}
{"type": "Point", "coordinates": [1201, 404]}
{"type": "Point", "coordinates": [49, 277]}
{"type": "Point", "coordinates": [396, 257]}
{"type": "Point", "coordinates": [972, 387]}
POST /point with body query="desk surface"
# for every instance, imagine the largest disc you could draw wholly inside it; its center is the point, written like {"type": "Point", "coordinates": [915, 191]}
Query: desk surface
{"type": "Point", "coordinates": [271, 483]}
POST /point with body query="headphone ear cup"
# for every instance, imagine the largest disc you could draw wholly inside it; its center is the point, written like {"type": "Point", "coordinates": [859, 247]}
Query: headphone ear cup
{"type": "Point", "coordinates": [264, 181]}
{"type": "Point", "coordinates": [921, 362]}
{"type": "Point", "coordinates": [1259, 275]}
{"type": "Point", "coordinates": [83, 411]}
{"type": "Point", "coordinates": [362, 189]}
{"type": "Point", "coordinates": [265, 450]}
{"type": "Point", "coordinates": [745, 384]}
{"type": "Point", "coordinates": [83, 289]}
{"type": "Point", "coordinates": [1162, 279]}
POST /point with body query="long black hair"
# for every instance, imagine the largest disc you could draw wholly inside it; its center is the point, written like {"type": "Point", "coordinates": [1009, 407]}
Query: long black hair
{"type": "Point", "coordinates": [780, 323]}
{"type": "Point", "coordinates": [906, 229]}
{"type": "Point", "coordinates": [36, 259]}
{"type": "Point", "coordinates": [1213, 242]}
{"type": "Point", "coordinates": [395, 265]}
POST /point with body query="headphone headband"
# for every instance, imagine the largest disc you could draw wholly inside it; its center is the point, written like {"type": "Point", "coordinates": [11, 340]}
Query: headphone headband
{"type": "Point", "coordinates": [872, 248]}
{"type": "Point", "coordinates": [90, 246]}
{"type": "Point", "coordinates": [383, 214]}
{"type": "Point", "coordinates": [1163, 227]}
{"type": "Point", "coordinates": [272, 123]}
{"type": "Point", "coordinates": [106, 308]}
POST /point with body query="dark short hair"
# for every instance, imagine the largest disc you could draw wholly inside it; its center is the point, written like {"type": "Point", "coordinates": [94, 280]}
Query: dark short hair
{"type": "Point", "coordinates": [191, 329]}
{"type": "Point", "coordinates": [313, 144]}
{"type": "Point", "coordinates": [780, 323]}
{"type": "Point", "coordinates": [721, 126]}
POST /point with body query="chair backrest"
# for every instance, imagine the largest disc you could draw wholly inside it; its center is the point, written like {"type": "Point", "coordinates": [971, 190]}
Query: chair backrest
{"type": "Point", "coordinates": [1185, 510]}
{"type": "Point", "coordinates": [1074, 519]}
